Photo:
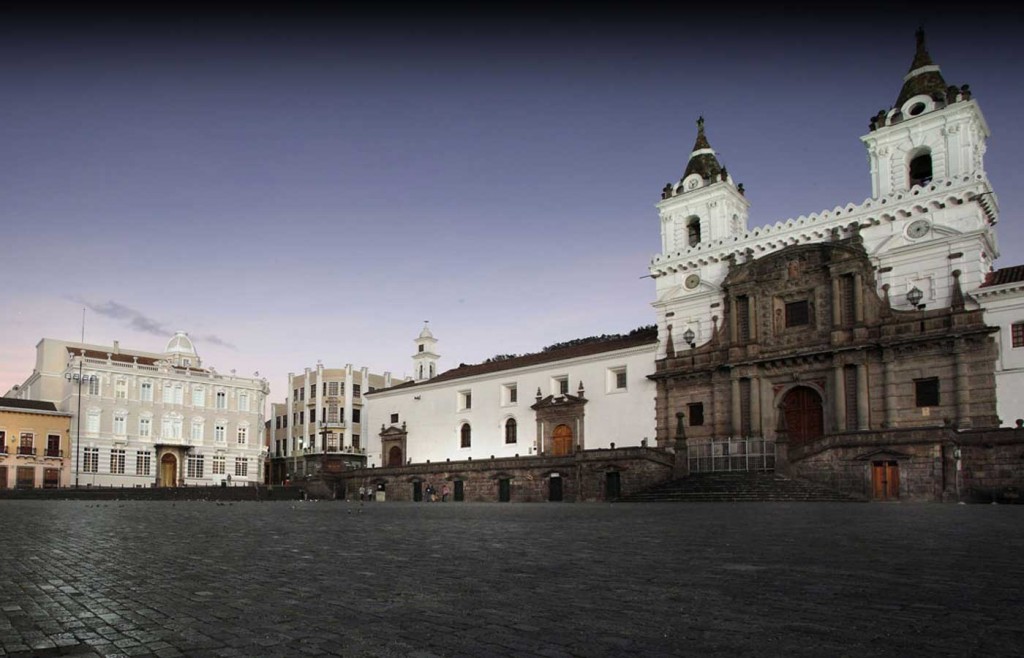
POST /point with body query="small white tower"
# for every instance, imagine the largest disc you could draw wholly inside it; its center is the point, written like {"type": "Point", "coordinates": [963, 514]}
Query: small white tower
{"type": "Point", "coordinates": [705, 204]}
{"type": "Point", "coordinates": [424, 361]}
{"type": "Point", "coordinates": [933, 131]}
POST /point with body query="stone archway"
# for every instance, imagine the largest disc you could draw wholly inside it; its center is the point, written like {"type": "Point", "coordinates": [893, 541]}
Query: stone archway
{"type": "Point", "coordinates": [168, 470]}
{"type": "Point", "coordinates": [803, 415]}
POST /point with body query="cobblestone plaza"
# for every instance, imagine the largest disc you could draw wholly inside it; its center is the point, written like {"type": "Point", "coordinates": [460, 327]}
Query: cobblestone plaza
{"type": "Point", "coordinates": [332, 578]}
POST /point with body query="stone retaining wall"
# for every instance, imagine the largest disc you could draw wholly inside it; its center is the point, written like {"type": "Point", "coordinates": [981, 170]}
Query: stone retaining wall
{"type": "Point", "coordinates": [584, 476]}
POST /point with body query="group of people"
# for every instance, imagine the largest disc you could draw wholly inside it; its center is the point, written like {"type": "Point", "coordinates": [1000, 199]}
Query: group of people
{"type": "Point", "coordinates": [432, 493]}
{"type": "Point", "coordinates": [366, 493]}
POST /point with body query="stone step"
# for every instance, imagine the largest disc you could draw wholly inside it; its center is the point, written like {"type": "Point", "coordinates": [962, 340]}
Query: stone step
{"type": "Point", "coordinates": [738, 487]}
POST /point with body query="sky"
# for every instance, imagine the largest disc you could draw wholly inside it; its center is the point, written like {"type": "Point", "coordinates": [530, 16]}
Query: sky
{"type": "Point", "coordinates": [312, 185]}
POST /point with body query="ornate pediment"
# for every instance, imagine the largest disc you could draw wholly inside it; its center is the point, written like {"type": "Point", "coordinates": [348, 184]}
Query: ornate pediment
{"type": "Point", "coordinates": [882, 454]}
{"type": "Point", "coordinates": [558, 402]}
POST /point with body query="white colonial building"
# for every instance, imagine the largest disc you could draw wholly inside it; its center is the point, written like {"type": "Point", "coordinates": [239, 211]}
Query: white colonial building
{"type": "Point", "coordinates": [579, 396]}
{"type": "Point", "coordinates": [145, 419]}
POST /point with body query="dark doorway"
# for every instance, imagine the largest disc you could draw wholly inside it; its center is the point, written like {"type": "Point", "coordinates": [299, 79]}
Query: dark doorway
{"type": "Point", "coordinates": [395, 456]}
{"type": "Point", "coordinates": [417, 492]}
{"type": "Point", "coordinates": [885, 480]}
{"type": "Point", "coordinates": [460, 491]}
{"type": "Point", "coordinates": [504, 490]}
{"type": "Point", "coordinates": [612, 485]}
{"type": "Point", "coordinates": [3, 477]}
{"type": "Point", "coordinates": [803, 415]}
{"type": "Point", "coordinates": [555, 489]}
{"type": "Point", "coordinates": [26, 477]}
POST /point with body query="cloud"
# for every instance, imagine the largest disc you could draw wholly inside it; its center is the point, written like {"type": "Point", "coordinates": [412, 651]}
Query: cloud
{"type": "Point", "coordinates": [216, 340]}
{"type": "Point", "coordinates": [140, 322]}
{"type": "Point", "coordinates": [133, 318]}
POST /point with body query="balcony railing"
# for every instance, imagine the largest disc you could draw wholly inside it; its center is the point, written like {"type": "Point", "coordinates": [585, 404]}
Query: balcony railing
{"type": "Point", "coordinates": [54, 452]}
{"type": "Point", "coordinates": [26, 450]}
{"type": "Point", "coordinates": [716, 455]}
{"type": "Point", "coordinates": [3, 450]}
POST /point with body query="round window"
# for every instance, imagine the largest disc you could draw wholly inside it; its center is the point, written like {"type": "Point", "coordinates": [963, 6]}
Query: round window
{"type": "Point", "coordinates": [915, 109]}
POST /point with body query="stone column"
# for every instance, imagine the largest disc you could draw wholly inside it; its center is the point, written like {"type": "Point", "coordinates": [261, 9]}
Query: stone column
{"type": "Point", "coordinates": [755, 406]}
{"type": "Point", "coordinates": [736, 425]}
{"type": "Point", "coordinates": [858, 298]}
{"type": "Point", "coordinates": [963, 390]}
{"type": "Point", "coordinates": [863, 401]}
{"type": "Point", "coordinates": [837, 303]}
{"type": "Point", "coordinates": [889, 384]}
{"type": "Point", "coordinates": [347, 434]}
{"type": "Point", "coordinates": [839, 396]}
{"type": "Point", "coordinates": [733, 324]}
{"type": "Point", "coordinates": [752, 317]}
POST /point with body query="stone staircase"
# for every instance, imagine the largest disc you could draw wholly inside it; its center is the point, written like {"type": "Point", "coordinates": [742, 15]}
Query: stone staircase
{"type": "Point", "coordinates": [738, 487]}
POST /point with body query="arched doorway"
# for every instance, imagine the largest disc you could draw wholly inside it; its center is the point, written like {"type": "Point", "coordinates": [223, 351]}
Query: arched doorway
{"type": "Point", "coordinates": [561, 440]}
{"type": "Point", "coordinates": [801, 410]}
{"type": "Point", "coordinates": [395, 456]}
{"type": "Point", "coordinates": [168, 471]}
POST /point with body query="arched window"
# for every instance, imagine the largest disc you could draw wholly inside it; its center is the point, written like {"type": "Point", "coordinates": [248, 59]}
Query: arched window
{"type": "Point", "coordinates": [693, 231]}
{"type": "Point", "coordinates": [421, 371]}
{"type": "Point", "coordinates": [466, 434]}
{"type": "Point", "coordinates": [921, 169]}
{"type": "Point", "coordinates": [510, 430]}
{"type": "Point", "coordinates": [431, 370]}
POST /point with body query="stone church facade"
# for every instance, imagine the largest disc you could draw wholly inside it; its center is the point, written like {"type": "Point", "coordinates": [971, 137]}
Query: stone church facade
{"type": "Point", "coordinates": [855, 340]}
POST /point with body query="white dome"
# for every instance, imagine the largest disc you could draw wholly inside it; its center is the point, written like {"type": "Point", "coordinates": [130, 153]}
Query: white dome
{"type": "Point", "coordinates": [180, 344]}
{"type": "Point", "coordinates": [426, 332]}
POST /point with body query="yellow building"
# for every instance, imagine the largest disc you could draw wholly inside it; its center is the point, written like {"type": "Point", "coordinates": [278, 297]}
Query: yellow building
{"type": "Point", "coordinates": [35, 445]}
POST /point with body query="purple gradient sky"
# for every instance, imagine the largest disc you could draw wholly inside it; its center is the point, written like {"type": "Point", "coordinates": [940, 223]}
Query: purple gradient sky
{"type": "Point", "coordinates": [312, 187]}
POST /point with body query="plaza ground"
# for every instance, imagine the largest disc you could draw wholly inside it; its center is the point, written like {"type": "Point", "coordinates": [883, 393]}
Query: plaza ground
{"type": "Point", "coordinates": [130, 578]}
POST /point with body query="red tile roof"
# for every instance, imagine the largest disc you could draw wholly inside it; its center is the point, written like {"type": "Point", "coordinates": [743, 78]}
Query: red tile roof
{"type": "Point", "coordinates": [1013, 274]}
{"type": "Point", "coordinates": [571, 352]}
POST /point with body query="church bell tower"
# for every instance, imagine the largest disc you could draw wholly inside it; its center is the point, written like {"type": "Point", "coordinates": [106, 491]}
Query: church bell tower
{"type": "Point", "coordinates": [424, 361]}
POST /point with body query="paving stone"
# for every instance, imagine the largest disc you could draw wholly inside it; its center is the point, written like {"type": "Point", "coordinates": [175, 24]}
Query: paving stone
{"type": "Point", "coordinates": [403, 579]}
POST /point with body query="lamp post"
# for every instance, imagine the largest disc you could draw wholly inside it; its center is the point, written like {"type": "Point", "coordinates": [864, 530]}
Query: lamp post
{"type": "Point", "coordinates": [689, 337]}
{"type": "Point", "coordinates": [914, 296]}
{"type": "Point", "coordinates": [79, 378]}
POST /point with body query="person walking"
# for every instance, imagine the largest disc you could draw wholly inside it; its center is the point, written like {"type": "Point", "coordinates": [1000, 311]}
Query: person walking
{"type": "Point", "coordinates": [362, 494]}
{"type": "Point", "coordinates": [444, 494]}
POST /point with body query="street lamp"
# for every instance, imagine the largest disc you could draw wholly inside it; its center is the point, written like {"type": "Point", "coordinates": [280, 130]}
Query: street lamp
{"type": "Point", "coordinates": [689, 337]}
{"type": "Point", "coordinates": [914, 297]}
{"type": "Point", "coordinates": [79, 378]}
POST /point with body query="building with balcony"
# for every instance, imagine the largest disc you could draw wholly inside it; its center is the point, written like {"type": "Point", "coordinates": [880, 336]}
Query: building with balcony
{"type": "Point", "coordinates": [318, 430]}
{"type": "Point", "coordinates": [143, 419]}
{"type": "Point", "coordinates": [34, 445]}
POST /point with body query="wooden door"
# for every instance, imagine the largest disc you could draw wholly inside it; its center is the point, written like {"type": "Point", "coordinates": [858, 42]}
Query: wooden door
{"type": "Point", "coordinates": [168, 471]}
{"type": "Point", "coordinates": [460, 491]}
{"type": "Point", "coordinates": [885, 480]}
{"type": "Point", "coordinates": [395, 456]}
{"type": "Point", "coordinates": [417, 492]}
{"type": "Point", "coordinates": [504, 490]}
{"type": "Point", "coordinates": [803, 415]}
{"type": "Point", "coordinates": [561, 440]}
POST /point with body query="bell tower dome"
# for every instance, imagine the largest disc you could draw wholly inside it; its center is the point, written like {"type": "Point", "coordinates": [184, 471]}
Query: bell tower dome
{"type": "Point", "coordinates": [424, 361]}
{"type": "Point", "coordinates": [704, 205]}
{"type": "Point", "coordinates": [934, 131]}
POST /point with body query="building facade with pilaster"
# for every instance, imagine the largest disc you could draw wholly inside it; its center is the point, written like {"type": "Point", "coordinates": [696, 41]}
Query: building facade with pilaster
{"type": "Point", "coordinates": [862, 340]}
{"type": "Point", "coordinates": [318, 429]}
{"type": "Point", "coordinates": [142, 419]}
